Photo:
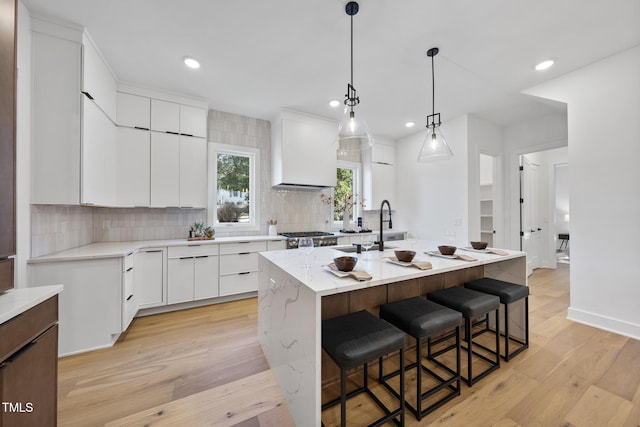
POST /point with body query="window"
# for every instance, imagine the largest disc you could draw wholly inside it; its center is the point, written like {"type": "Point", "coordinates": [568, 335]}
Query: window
{"type": "Point", "coordinates": [233, 172]}
{"type": "Point", "coordinates": [347, 191]}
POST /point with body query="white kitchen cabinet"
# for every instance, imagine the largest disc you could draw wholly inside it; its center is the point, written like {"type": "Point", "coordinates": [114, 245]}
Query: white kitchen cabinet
{"type": "Point", "coordinates": [149, 278]}
{"type": "Point", "coordinates": [276, 245]}
{"type": "Point", "coordinates": [133, 168]}
{"type": "Point", "coordinates": [193, 172]}
{"type": "Point", "coordinates": [165, 116]}
{"type": "Point", "coordinates": [99, 157]}
{"type": "Point", "coordinates": [97, 79]}
{"type": "Point", "coordinates": [303, 151]}
{"type": "Point", "coordinates": [379, 175]}
{"type": "Point", "coordinates": [90, 308]}
{"type": "Point", "coordinates": [129, 300]}
{"type": "Point", "coordinates": [192, 273]}
{"type": "Point", "coordinates": [165, 170]}
{"type": "Point", "coordinates": [73, 136]}
{"type": "Point", "coordinates": [133, 111]}
{"type": "Point", "coordinates": [193, 121]}
{"type": "Point", "coordinates": [239, 267]}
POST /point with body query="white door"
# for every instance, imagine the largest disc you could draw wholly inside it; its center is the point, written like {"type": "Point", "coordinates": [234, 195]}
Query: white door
{"type": "Point", "coordinates": [529, 214]}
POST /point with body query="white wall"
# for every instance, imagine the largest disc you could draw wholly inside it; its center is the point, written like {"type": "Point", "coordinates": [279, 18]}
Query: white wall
{"type": "Point", "coordinates": [604, 147]}
{"type": "Point", "coordinates": [23, 147]}
{"type": "Point", "coordinates": [432, 197]}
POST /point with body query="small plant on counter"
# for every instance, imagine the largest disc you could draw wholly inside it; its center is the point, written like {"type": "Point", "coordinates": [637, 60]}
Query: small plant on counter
{"type": "Point", "coordinates": [198, 229]}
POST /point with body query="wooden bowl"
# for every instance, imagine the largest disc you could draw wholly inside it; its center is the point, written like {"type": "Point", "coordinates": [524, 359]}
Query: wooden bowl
{"type": "Point", "coordinates": [345, 263]}
{"type": "Point", "coordinates": [447, 250]}
{"type": "Point", "coordinates": [405, 256]}
{"type": "Point", "coordinates": [479, 245]}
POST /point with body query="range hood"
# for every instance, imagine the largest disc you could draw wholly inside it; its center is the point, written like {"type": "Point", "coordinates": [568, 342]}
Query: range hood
{"type": "Point", "coordinates": [303, 151]}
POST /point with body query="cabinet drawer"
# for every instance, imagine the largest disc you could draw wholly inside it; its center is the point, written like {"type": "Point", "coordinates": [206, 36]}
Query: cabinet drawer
{"type": "Point", "coordinates": [238, 263]}
{"type": "Point", "coordinates": [25, 327]}
{"type": "Point", "coordinates": [238, 283]}
{"type": "Point", "coordinates": [129, 309]}
{"type": "Point", "coordinates": [192, 251]}
{"type": "Point", "coordinates": [239, 247]}
{"type": "Point", "coordinates": [276, 245]}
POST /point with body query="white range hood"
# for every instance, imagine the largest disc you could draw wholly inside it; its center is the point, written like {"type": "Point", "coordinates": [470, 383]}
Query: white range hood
{"type": "Point", "coordinates": [303, 151]}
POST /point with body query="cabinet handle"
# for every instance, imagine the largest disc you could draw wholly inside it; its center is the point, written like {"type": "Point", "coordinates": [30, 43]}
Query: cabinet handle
{"type": "Point", "coordinates": [129, 269]}
{"type": "Point", "coordinates": [244, 253]}
{"type": "Point", "coordinates": [88, 95]}
{"type": "Point", "coordinates": [245, 272]}
{"type": "Point", "coordinates": [130, 296]}
{"type": "Point", "coordinates": [140, 128]}
{"type": "Point", "coordinates": [172, 133]}
{"type": "Point", "coordinates": [187, 134]}
{"type": "Point", "coordinates": [154, 251]}
{"type": "Point", "coordinates": [186, 257]}
{"type": "Point", "coordinates": [203, 256]}
{"type": "Point", "coordinates": [196, 245]}
{"type": "Point", "coordinates": [22, 351]}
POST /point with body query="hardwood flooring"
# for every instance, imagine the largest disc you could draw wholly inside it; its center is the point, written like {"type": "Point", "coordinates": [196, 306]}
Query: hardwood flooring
{"type": "Point", "coordinates": [204, 367]}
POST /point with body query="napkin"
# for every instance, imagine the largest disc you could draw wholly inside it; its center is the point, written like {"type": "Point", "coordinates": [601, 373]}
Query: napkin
{"type": "Point", "coordinates": [359, 275]}
{"type": "Point", "coordinates": [422, 265]}
{"type": "Point", "coordinates": [497, 251]}
{"type": "Point", "coordinates": [465, 257]}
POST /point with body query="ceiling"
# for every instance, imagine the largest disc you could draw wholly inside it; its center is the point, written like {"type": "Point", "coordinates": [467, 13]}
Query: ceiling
{"type": "Point", "coordinates": [259, 56]}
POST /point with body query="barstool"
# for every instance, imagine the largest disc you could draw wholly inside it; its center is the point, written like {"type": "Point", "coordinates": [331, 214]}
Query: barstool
{"type": "Point", "coordinates": [423, 319]}
{"type": "Point", "coordinates": [353, 340]}
{"type": "Point", "coordinates": [471, 304]}
{"type": "Point", "coordinates": [508, 293]}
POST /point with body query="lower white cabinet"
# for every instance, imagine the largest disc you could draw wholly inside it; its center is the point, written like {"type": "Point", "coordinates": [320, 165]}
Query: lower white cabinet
{"type": "Point", "coordinates": [129, 303]}
{"type": "Point", "coordinates": [149, 278]}
{"type": "Point", "coordinates": [192, 273]}
{"type": "Point", "coordinates": [239, 267]}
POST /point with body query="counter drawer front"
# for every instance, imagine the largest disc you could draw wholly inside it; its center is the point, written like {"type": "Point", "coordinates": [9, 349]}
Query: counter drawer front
{"type": "Point", "coordinates": [128, 284]}
{"type": "Point", "coordinates": [129, 309]}
{"type": "Point", "coordinates": [238, 263]}
{"type": "Point", "coordinates": [128, 262]}
{"type": "Point", "coordinates": [238, 283]}
{"type": "Point", "coordinates": [25, 327]}
{"type": "Point", "coordinates": [239, 247]}
{"type": "Point", "coordinates": [192, 250]}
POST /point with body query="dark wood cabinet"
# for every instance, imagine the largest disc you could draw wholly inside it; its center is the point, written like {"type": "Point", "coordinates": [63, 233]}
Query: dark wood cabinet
{"type": "Point", "coordinates": [29, 367]}
{"type": "Point", "coordinates": [7, 138]}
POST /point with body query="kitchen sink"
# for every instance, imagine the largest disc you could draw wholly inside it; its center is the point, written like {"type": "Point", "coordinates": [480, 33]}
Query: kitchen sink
{"type": "Point", "coordinates": [351, 249]}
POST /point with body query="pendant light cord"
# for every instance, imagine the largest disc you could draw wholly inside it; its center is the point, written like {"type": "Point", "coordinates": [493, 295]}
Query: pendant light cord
{"type": "Point", "coordinates": [433, 88]}
{"type": "Point", "coordinates": [351, 50]}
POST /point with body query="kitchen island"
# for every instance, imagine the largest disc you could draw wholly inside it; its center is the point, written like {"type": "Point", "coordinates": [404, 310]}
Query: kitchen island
{"type": "Point", "coordinates": [293, 300]}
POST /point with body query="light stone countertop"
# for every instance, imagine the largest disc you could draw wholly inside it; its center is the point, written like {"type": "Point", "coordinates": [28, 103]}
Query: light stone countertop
{"type": "Point", "coordinates": [120, 249]}
{"type": "Point", "coordinates": [16, 301]}
{"type": "Point", "coordinates": [323, 282]}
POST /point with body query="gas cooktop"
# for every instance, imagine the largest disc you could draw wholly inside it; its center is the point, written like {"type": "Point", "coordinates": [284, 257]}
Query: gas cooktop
{"type": "Point", "coordinates": [307, 234]}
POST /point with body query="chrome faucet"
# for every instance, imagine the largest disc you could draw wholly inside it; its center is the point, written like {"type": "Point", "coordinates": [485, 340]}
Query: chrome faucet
{"type": "Point", "coordinates": [381, 241]}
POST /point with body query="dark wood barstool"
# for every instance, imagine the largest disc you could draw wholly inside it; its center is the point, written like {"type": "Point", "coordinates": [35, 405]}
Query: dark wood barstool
{"type": "Point", "coordinates": [424, 319]}
{"type": "Point", "coordinates": [354, 340]}
{"type": "Point", "coordinates": [472, 304]}
{"type": "Point", "coordinates": [508, 294]}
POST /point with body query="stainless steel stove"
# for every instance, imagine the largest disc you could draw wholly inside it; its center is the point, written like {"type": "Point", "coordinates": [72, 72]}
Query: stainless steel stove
{"type": "Point", "coordinates": [320, 238]}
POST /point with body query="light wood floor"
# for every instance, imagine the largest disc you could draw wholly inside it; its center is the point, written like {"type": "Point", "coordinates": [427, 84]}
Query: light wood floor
{"type": "Point", "coordinates": [204, 367]}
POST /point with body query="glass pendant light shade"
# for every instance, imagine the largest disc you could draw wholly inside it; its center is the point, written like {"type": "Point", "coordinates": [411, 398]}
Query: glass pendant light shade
{"type": "Point", "coordinates": [434, 147]}
{"type": "Point", "coordinates": [353, 133]}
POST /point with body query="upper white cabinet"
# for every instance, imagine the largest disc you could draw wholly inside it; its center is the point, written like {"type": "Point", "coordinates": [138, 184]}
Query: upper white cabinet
{"type": "Point", "coordinates": [98, 81]}
{"type": "Point", "coordinates": [379, 174]}
{"type": "Point", "coordinates": [73, 133]}
{"type": "Point", "coordinates": [133, 168]}
{"type": "Point", "coordinates": [303, 151]}
{"type": "Point", "coordinates": [133, 111]}
{"type": "Point", "coordinates": [193, 172]}
{"type": "Point", "coordinates": [172, 117]}
{"type": "Point", "coordinates": [165, 116]}
{"type": "Point", "coordinates": [165, 170]}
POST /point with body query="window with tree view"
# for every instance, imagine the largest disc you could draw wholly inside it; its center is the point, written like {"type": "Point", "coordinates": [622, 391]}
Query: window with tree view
{"type": "Point", "coordinates": [233, 195]}
{"type": "Point", "coordinates": [345, 193]}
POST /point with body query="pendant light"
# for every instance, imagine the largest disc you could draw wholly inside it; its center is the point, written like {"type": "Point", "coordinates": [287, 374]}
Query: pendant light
{"type": "Point", "coordinates": [353, 131]}
{"type": "Point", "coordinates": [434, 146]}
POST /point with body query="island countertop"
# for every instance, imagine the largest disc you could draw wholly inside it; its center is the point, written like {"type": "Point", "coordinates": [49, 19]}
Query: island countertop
{"type": "Point", "coordinates": [322, 281]}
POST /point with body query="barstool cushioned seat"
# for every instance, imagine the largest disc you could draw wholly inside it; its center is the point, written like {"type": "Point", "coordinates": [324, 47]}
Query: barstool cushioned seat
{"type": "Point", "coordinates": [472, 304]}
{"type": "Point", "coordinates": [359, 337]}
{"type": "Point", "coordinates": [420, 318]}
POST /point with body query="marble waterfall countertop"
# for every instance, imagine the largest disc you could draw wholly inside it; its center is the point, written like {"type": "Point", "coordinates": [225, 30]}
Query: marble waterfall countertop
{"type": "Point", "coordinates": [320, 280]}
{"type": "Point", "coordinates": [119, 249]}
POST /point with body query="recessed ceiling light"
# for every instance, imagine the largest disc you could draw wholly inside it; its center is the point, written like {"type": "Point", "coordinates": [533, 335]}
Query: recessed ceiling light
{"type": "Point", "coordinates": [191, 62]}
{"type": "Point", "coordinates": [544, 64]}
{"type": "Point", "coordinates": [410, 124]}
{"type": "Point", "coordinates": [334, 103]}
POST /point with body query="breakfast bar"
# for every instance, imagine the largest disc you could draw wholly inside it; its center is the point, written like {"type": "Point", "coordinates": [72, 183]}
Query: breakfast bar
{"type": "Point", "coordinates": [294, 299]}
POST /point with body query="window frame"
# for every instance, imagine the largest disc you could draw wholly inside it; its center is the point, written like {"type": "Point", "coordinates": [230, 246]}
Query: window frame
{"type": "Point", "coordinates": [216, 148]}
{"type": "Point", "coordinates": [356, 190]}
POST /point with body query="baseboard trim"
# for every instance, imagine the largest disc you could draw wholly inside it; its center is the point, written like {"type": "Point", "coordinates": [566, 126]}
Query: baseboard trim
{"type": "Point", "coordinates": [609, 324]}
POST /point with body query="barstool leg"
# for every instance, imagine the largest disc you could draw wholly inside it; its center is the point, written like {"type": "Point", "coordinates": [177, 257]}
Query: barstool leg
{"type": "Point", "coordinates": [402, 373]}
{"type": "Point", "coordinates": [418, 380]}
{"type": "Point", "coordinates": [498, 336]}
{"type": "Point", "coordinates": [343, 398]}
{"type": "Point", "coordinates": [506, 332]}
{"type": "Point", "coordinates": [469, 339]}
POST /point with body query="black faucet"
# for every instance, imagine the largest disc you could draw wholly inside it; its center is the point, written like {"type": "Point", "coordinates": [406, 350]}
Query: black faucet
{"type": "Point", "coordinates": [381, 241]}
